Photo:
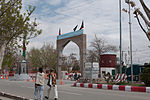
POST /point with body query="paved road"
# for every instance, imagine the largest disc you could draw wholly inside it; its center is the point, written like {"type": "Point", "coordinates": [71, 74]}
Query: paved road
{"type": "Point", "coordinates": [67, 92]}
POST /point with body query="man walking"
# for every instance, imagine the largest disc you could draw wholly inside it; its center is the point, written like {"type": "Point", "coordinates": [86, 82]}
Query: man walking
{"type": "Point", "coordinates": [52, 84]}
{"type": "Point", "coordinates": [39, 84]}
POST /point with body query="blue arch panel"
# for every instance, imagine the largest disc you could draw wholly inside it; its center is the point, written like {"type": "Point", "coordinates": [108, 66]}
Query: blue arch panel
{"type": "Point", "coordinates": [71, 34]}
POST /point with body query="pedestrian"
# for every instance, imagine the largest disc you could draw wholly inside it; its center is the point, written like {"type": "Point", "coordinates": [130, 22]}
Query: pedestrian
{"type": "Point", "coordinates": [75, 76]}
{"type": "Point", "coordinates": [39, 84]}
{"type": "Point", "coordinates": [52, 85]}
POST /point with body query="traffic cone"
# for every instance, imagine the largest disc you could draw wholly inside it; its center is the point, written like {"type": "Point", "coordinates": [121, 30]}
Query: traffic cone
{"type": "Point", "coordinates": [61, 82]}
{"type": "Point", "coordinates": [33, 80]}
{"type": "Point", "coordinates": [28, 79]}
{"type": "Point", "coordinates": [6, 77]}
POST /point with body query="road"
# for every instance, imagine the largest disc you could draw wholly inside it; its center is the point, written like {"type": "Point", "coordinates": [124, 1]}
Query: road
{"type": "Point", "coordinates": [67, 92]}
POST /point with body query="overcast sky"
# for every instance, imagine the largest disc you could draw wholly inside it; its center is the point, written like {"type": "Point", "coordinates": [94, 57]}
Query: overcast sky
{"type": "Point", "coordinates": [101, 17]}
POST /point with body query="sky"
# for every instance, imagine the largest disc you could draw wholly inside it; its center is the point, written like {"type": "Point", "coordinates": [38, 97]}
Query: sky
{"type": "Point", "coordinates": [101, 17]}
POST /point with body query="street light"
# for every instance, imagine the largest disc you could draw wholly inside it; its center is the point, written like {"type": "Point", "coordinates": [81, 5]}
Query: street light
{"type": "Point", "coordinates": [120, 40]}
{"type": "Point", "coordinates": [128, 2]}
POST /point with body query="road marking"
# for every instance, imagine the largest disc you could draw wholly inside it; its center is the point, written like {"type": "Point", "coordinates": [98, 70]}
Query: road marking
{"type": "Point", "coordinates": [70, 93]}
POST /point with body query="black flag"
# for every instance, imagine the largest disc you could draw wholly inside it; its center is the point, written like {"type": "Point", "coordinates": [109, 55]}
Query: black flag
{"type": "Point", "coordinates": [75, 28]}
{"type": "Point", "coordinates": [82, 26]}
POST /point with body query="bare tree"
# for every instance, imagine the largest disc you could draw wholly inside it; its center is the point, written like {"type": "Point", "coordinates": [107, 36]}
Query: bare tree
{"type": "Point", "coordinates": [99, 46]}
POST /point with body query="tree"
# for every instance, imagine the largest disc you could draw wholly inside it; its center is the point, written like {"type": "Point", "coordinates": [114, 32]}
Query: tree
{"type": "Point", "coordinates": [45, 56]}
{"type": "Point", "coordinates": [145, 76]}
{"type": "Point", "coordinates": [34, 58]}
{"type": "Point", "coordinates": [48, 55]}
{"type": "Point", "coordinates": [70, 62]}
{"type": "Point", "coordinates": [100, 46]}
{"type": "Point", "coordinates": [15, 26]}
{"type": "Point", "coordinates": [91, 56]}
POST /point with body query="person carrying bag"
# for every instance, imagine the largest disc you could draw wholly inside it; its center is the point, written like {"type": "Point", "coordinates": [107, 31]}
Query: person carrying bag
{"type": "Point", "coordinates": [39, 84]}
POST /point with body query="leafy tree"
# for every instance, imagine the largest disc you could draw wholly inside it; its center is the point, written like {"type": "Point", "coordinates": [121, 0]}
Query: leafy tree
{"type": "Point", "coordinates": [45, 56]}
{"type": "Point", "coordinates": [48, 55]}
{"type": "Point", "coordinates": [34, 58]}
{"type": "Point", "coordinates": [145, 76]}
{"type": "Point", "coordinates": [15, 26]}
{"type": "Point", "coordinates": [9, 60]}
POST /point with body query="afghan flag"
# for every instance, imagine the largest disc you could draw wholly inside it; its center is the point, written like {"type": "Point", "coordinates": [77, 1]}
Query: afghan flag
{"type": "Point", "coordinates": [59, 31]}
{"type": "Point", "coordinates": [82, 26]}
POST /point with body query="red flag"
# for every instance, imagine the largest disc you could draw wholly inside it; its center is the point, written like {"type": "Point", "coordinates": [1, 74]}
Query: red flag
{"type": "Point", "coordinates": [59, 31]}
{"type": "Point", "coordinates": [82, 26]}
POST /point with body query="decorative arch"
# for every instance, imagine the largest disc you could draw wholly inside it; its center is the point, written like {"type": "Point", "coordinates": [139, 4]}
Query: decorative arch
{"type": "Point", "coordinates": [62, 40]}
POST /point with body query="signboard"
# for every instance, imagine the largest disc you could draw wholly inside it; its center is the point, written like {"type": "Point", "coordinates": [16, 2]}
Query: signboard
{"type": "Point", "coordinates": [108, 60]}
{"type": "Point", "coordinates": [95, 71]}
{"type": "Point", "coordinates": [91, 70]}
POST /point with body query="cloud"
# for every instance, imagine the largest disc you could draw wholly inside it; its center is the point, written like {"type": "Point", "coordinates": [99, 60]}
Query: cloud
{"type": "Point", "coordinates": [54, 2]}
{"type": "Point", "coordinates": [101, 17]}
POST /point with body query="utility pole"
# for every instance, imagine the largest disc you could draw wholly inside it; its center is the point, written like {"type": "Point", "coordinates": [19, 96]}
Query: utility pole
{"type": "Point", "coordinates": [128, 2]}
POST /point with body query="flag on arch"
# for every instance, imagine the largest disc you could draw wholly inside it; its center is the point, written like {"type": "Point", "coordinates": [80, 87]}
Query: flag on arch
{"type": "Point", "coordinates": [59, 31]}
{"type": "Point", "coordinates": [75, 28]}
{"type": "Point", "coordinates": [82, 25]}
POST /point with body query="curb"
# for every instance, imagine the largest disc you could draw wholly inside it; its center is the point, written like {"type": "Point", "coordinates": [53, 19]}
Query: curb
{"type": "Point", "coordinates": [113, 87]}
{"type": "Point", "coordinates": [12, 96]}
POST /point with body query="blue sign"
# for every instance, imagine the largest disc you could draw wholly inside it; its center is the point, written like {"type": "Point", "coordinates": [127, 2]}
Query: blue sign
{"type": "Point", "coordinates": [71, 34]}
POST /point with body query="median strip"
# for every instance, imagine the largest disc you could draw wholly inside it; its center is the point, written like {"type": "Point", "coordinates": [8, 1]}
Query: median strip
{"type": "Point", "coordinates": [114, 87]}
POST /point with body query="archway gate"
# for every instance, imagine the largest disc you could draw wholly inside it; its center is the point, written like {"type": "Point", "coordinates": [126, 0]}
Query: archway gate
{"type": "Point", "coordinates": [62, 40]}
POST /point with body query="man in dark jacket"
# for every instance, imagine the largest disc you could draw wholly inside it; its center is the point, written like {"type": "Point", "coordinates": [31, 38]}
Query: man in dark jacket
{"type": "Point", "coordinates": [52, 84]}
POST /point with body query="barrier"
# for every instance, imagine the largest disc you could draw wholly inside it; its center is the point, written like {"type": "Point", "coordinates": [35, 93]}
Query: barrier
{"type": "Point", "coordinates": [114, 87]}
{"type": "Point", "coordinates": [110, 87]}
{"type": "Point", "coordinates": [127, 88]}
{"type": "Point", "coordinates": [99, 86]}
{"type": "Point", "coordinates": [104, 86]}
{"type": "Point", "coordinates": [86, 85]}
{"type": "Point", "coordinates": [90, 85]}
{"type": "Point", "coordinates": [122, 87]}
{"type": "Point", "coordinates": [95, 85]}
{"type": "Point", "coordinates": [123, 78]}
{"type": "Point", "coordinates": [148, 89]}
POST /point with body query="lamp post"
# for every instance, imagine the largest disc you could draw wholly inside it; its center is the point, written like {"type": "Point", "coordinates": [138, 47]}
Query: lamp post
{"type": "Point", "coordinates": [120, 39]}
{"type": "Point", "coordinates": [128, 2]}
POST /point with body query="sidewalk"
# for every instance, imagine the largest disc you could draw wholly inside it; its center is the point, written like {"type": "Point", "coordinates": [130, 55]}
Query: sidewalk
{"type": "Point", "coordinates": [4, 98]}
{"type": "Point", "coordinates": [8, 96]}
